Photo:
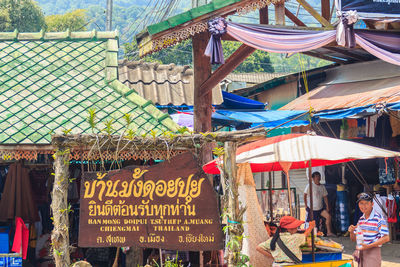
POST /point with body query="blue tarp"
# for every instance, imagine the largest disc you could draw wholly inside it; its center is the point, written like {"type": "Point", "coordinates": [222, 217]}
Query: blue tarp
{"type": "Point", "coordinates": [350, 112]}
{"type": "Point", "coordinates": [265, 118]}
{"type": "Point", "coordinates": [232, 101]}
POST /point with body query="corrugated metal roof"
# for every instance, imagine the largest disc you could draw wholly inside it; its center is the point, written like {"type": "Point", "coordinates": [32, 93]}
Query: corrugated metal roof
{"type": "Point", "coordinates": [348, 95]}
{"type": "Point", "coordinates": [162, 84]}
{"type": "Point", "coordinates": [254, 77]}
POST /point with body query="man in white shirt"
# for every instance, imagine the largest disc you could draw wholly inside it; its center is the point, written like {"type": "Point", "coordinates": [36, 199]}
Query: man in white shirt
{"type": "Point", "coordinates": [319, 194]}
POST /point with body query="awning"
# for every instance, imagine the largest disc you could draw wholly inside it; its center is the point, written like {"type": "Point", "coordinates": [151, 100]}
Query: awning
{"type": "Point", "coordinates": [266, 118]}
{"type": "Point", "coordinates": [351, 95]}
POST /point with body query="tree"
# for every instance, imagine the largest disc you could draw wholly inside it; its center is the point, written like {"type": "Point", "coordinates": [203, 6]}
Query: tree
{"type": "Point", "coordinates": [75, 21]}
{"type": "Point", "coordinates": [259, 61]}
{"type": "Point", "coordinates": [24, 15]}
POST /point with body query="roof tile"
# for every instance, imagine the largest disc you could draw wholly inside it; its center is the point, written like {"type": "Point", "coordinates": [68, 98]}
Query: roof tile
{"type": "Point", "coordinates": [49, 84]}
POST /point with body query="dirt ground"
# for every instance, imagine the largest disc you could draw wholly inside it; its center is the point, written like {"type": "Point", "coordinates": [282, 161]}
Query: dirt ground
{"type": "Point", "coordinates": [390, 251]}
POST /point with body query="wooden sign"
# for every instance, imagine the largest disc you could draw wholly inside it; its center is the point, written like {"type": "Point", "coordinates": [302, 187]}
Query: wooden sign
{"type": "Point", "coordinates": [171, 205]}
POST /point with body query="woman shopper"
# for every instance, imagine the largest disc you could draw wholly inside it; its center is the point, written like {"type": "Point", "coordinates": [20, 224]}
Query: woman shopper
{"type": "Point", "coordinates": [370, 233]}
{"type": "Point", "coordinates": [284, 246]}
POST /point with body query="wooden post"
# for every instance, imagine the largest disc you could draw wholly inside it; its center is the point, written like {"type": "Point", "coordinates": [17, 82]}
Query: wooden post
{"type": "Point", "coordinates": [263, 13]}
{"type": "Point", "coordinates": [232, 193]}
{"type": "Point", "coordinates": [311, 208]}
{"type": "Point", "coordinates": [202, 102]}
{"type": "Point", "coordinates": [280, 13]}
{"type": "Point", "coordinates": [326, 9]}
{"type": "Point", "coordinates": [59, 208]}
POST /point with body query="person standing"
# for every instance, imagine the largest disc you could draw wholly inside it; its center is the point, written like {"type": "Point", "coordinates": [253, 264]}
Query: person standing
{"type": "Point", "coordinates": [370, 233]}
{"type": "Point", "coordinates": [320, 195]}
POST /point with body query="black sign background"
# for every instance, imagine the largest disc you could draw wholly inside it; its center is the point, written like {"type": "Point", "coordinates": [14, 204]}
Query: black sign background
{"type": "Point", "coordinates": [391, 8]}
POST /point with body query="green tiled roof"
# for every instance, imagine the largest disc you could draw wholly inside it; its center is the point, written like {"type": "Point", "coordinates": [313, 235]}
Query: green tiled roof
{"type": "Point", "coordinates": [48, 81]}
{"type": "Point", "coordinates": [189, 15]}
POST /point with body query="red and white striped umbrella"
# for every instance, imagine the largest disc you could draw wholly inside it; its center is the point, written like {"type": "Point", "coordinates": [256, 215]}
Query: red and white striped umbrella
{"type": "Point", "coordinates": [295, 151]}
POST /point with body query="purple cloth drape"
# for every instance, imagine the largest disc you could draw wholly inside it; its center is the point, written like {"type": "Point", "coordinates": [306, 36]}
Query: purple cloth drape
{"type": "Point", "coordinates": [214, 50]}
{"type": "Point", "coordinates": [277, 40]}
{"type": "Point", "coordinates": [385, 55]}
{"type": "Point", "coordinates": [383, 45]}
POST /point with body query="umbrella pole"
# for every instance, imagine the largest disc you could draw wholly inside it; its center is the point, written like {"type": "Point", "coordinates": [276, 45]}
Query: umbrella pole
{"type": "Point", "coordinates": [271, 210]}
{"type": "Point", "coordinates": [311, 213]}
{"type": "Point", "coordinates": [289, 193]}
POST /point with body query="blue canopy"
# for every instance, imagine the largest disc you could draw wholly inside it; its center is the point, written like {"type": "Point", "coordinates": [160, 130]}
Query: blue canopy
{"type": "Point", "coordinates": [350, 112]}
{"type": "Point", "coordinates": [232, 101]}
{"type": "Point", "coordinates": [265, 118]}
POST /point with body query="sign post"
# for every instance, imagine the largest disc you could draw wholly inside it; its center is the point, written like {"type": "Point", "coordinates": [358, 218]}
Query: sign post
{"type": "Point", "coordinates": [171, 205]}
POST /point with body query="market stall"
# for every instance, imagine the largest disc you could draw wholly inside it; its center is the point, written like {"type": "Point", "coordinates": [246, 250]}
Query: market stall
{"type": "Point", "coordinates": [296, 151]}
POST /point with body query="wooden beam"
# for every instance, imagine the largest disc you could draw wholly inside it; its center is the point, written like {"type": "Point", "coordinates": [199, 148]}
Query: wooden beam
{"type": "Point", "coordinates": [314, 13]}
{"type": "Point", "coordinates": [159, 143]}
{"type": "Point", "coordinates": [293, 18]}
{"type": "Point", "coordinates": [280, 13]}
{"type": "Point", "coordinates": [326, 9]}
{"type": "Point", "coordinates": [318, 55]}
{"type": "Point", "coordinates": [230, 64]}
{"type": "Point", "coordinates": [263, 13]}
{"type": "Point", "coordinates": [348, 53]}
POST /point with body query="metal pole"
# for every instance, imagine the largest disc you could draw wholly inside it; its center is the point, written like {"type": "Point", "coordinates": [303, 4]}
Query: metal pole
{"type": "Point", "coordinates": [271, 210]}
{"type": "Point", "coordinates": [311, 209]}
{"type": "Point", "coordinates": [109, 15]}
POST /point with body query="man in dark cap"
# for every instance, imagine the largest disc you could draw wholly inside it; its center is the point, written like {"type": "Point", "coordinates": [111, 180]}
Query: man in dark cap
{"type": "Point", "coordinates": [370, 233]}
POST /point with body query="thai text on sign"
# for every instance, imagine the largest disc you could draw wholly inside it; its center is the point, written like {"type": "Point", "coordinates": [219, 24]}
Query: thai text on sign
{"type": "Point", "coordinates": [170, 205]}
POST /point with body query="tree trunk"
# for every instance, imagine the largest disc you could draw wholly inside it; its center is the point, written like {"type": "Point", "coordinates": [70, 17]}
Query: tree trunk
{"type": "Point", "coordinates": [60, 210]}
{"type": "Point", "coordinates": [134, 257]}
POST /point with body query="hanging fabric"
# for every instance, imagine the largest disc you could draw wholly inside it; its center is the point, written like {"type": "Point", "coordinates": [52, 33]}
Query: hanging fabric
{"type": "Point", "coordinates": [391, 209]}
{"type": "Point", "coordinates": [21, 238]}
{"type": "Point", "coordinates": [387, 174]}
{"type": "Point", "coordinates": [383, 45]}
{"type": "Point", "coordinates": [17, 199]}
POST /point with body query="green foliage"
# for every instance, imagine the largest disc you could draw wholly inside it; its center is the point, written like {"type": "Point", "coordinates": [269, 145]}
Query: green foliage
{"type": "Point", "coordinates": [75, 21]}
{"type": "Point", "coordinates": [171, 262]}
{"type": "Point", "coordinates": [218, 151]}
{"type": "Point", "coordinates": [24, 15]}
{"type": "Point", "coordinates": [108, 126]}
{"type": "Point", "coordinates": [92, 118]}
{"type": "Point", "coordinates": [259, 61]}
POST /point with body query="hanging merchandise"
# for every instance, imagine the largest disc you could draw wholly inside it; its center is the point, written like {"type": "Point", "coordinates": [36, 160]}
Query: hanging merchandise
{"type": "Point", "coordinates": [395, 123]}
{"type": "Point", "coordinates": [21, 238]}
{"type": "Point", "coordinates": [383, 131]}
{"type": "Point", "coordinates": [351, 128]}
{"type": "Point", "coordinates": [361, 128]}
{"type": "Point", "coordinates": [387, 174]}
{"type": "Point", "coordinates": [17, 199]}
{"type": "Point", "coordinates": [371, 125]}
{"type": "Point", "coordinates": [391, 209]}
{"type": "Point", "coordinates": [380, 204]}
{"type": "Point", "coordinates": [342, 214]}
